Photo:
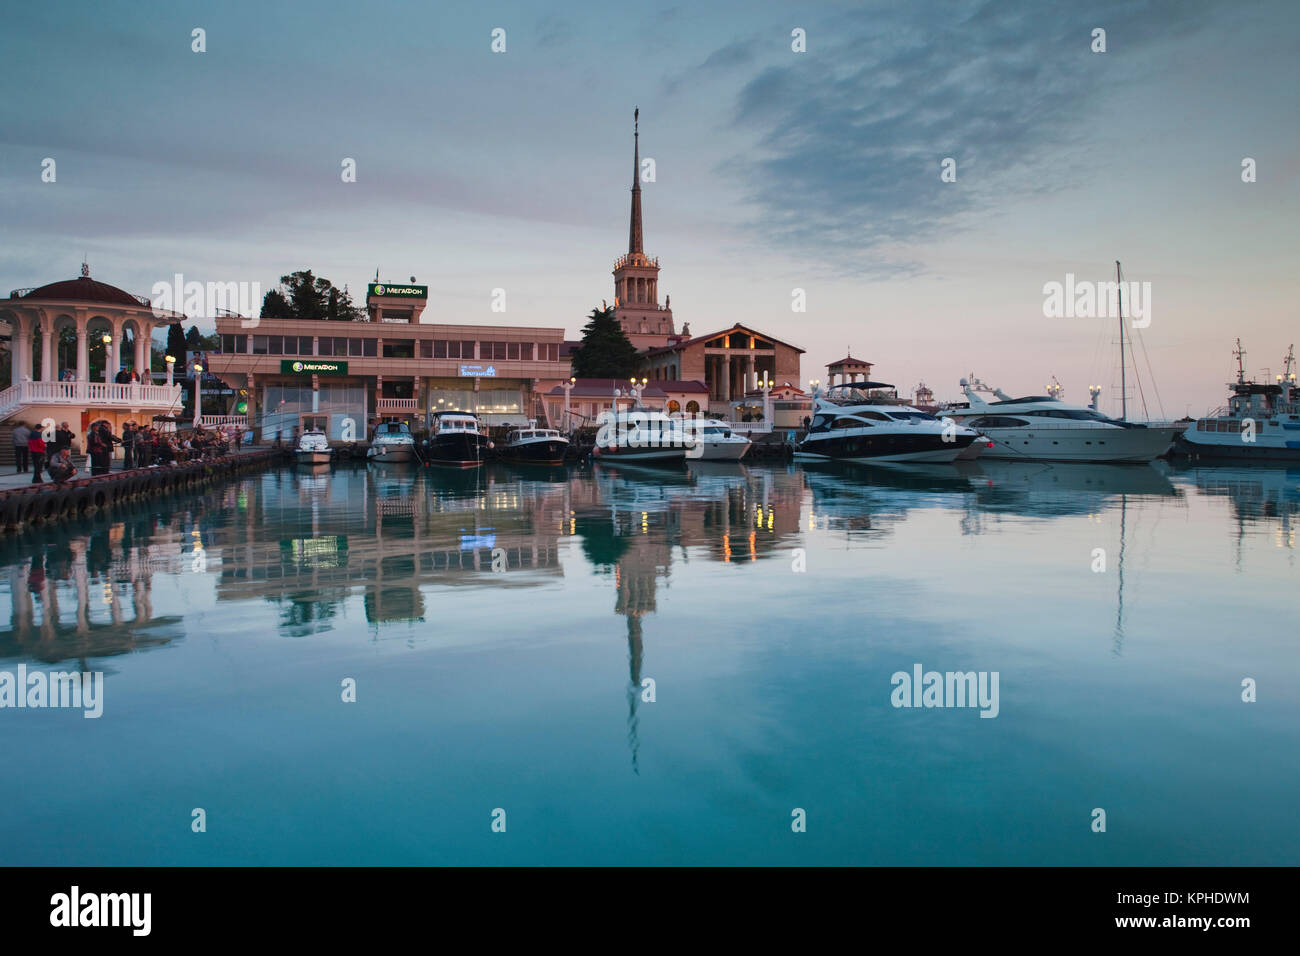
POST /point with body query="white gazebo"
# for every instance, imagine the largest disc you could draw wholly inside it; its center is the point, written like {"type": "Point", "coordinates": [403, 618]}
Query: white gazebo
{"type": "Point", "coordinates": [48, 394]}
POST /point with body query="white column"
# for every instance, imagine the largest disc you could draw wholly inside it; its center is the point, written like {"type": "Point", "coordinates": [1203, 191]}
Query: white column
{"type": "Point", "coordinates": [17, 333]}
{"type": "Point", "coordinates": [47, 352]}
{"type": "Point", "coordinates": [115, 359]}
{"type": "Point", "coordinates": [142, 354]}
{"type": "Point", "coordinates": [83, 352]}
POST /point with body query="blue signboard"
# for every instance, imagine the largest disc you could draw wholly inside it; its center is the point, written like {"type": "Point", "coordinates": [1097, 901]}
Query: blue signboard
{"type": "Point", "coordinates": [478, 371]}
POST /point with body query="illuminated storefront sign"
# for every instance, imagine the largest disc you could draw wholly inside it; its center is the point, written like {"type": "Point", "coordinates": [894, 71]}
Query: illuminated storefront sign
{"type": "Point", "coordinates": [478, 371]}
{"type": "Point", "coordinates": [315, 367]}
{"type": "Point", "coordinates": [399, 291]}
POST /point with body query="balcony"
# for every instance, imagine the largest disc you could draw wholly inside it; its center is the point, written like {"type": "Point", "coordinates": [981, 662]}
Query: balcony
{"type": "Point", "coordinates": [89, 395]}
{"type": "Point", "coordinates": [396, 405]}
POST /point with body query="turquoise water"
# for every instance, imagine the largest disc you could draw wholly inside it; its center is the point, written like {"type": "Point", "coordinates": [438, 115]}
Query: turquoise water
{"type": "Point", "coordinates": [769, 605]}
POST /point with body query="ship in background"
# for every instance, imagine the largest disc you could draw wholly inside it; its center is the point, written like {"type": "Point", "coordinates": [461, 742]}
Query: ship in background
{"type": "Point", "coordinates": [1261, 421]}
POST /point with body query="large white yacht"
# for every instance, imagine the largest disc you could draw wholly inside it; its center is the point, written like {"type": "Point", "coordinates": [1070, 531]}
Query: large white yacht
{"type": "Point", "coordinates": [1261, 422]}
{"type": "Point", "coordinates": [855, 422]}
{"type": "Point", "coordinates": [642, 436]}
{"type": "Point", "coordinates": [718, 442]}
{"type": "Point", "coordinates": [1044, 428]}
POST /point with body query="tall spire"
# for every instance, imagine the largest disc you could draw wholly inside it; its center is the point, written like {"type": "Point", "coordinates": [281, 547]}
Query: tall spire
{"type": "Point", "coordinates": [634, 227]}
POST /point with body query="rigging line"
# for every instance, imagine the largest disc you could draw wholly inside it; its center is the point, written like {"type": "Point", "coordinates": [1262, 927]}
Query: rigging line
{"type": "Point", "coordinates": [1154, 384]}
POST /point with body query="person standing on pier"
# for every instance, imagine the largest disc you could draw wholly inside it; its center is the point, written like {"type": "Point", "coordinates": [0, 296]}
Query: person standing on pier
{"type": "Point", "coordinates": [63, 438]}
{"type": "Point", "coordinates": [100, 446]}
{"type": "Point", "coordinates": [128, 446]}
{"type": "Point", "coordinates": [21, 434]}
{"type": "Point", "coordinates": [36, 448]}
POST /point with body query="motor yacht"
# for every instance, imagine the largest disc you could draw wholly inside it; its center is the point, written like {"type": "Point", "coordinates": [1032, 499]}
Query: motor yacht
{"type": "Point", "coordinates": [313, 448]}
{"type": "Point", "coordinates": [535, 446]}
{"type": "Point", "coordinates": [644, 437]}
{"type": "Point", "coordinates": [392, 444]}
{"type": "Point", "coordinates": [1260, 423]}
{"type": "Point", "coordinates": [457, 440]}
{"type": "Point", "coordinates": [717, 441]}
{"type": "Point", "coordinates": [859, 421]}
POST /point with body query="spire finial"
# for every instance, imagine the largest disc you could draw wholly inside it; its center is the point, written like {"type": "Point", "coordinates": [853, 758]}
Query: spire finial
{"type": "Point", "coordinates": [634, 226]}
{"type": "Point", "coordinates": [85, 270]}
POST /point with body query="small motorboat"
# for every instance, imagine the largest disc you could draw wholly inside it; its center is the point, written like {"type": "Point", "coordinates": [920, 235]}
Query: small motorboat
{"type": "Point", "coordinates": [535, 446]}
{"type": "Point", "coordinates": [392, 444]}
{"type": "Point", "coordinates": [313, 448]}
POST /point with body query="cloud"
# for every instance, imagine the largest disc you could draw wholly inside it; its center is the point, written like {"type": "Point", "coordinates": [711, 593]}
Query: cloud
{"type": "Point", "coordinates": [850, 135]}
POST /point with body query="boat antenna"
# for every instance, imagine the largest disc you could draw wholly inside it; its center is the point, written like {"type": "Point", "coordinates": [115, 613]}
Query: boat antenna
{"type": "Point", "coordinates": [1123, 381]}
{"type": "Point", "coordinates": [1240, 353]}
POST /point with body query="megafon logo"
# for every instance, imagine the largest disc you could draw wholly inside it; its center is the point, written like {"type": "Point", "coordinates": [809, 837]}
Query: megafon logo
{"type": "Point", "coordinates": [379, 290]}
{"type": "Point", "coordinates": [198, 300]}
{"type": "Point", "coordinates": [298, 366]}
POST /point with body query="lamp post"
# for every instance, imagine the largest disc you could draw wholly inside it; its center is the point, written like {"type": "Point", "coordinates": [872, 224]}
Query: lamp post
{"type": "Point", "coordinates": [568, 417]}
{"type": "Point", "coordinates": [171, 362]}
{"type": "Point", "coordinates": [637, 386]}
{"type": "Point", "coordinates": [108, 375]}
{"type": "Point", "coordinates": [765, 386]}
{"type": "Point", "coordinates": [1094, 391]}
{"type": "Point", "coordinates": [198, 393]}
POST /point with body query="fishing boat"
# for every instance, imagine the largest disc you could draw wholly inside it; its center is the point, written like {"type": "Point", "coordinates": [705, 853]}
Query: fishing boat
{"type": "Point", "coordinates": [392, 444]}
{"type": "Point", "coordinates": [535, 446]}
{"type": "Point", "coordinates": [1261, 421]}
{"type": "Point", "coordinates": [643, 437]}
{"type": "Point", "coordinates": [856, 422]}
{"type": "Point", "coordinates": [313, 448]}
{"type": "Point", "coordinates": [457, 440]}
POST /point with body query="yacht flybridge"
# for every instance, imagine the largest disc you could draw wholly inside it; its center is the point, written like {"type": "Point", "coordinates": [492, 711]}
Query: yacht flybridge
{"type": "Point", "coordinates": [1043, 427]}
{"type": "Point", "coordinates": [855, 422]}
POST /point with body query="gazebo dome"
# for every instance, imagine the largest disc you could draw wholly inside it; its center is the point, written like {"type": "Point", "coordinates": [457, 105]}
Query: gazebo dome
{"type": "Point", "coordinates": [84, 289]}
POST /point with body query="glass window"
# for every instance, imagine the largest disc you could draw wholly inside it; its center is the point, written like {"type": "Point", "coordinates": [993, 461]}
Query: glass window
{"type": "Point", "coordinates": [440, 348]}
{"type": "Point", "coordinates": [467, 349]}
{"type": "Point", "coordinates": [426, 348]}
{"type": "Point", "coordinates": [402, 348]}
{"type": "Point", "coordinates": [306, 345]}
{"type": "Point", "coordinates": [526, 351]}
{"type": "Point", "coordinates": [259, 344]}
{"type": "Point", "coordinates": [326, 346]}
{"type": "Point", "coordinates": [354, 346]}
{"type": "Point", "coordinates": [370, 347]}
{"type": "Point", "coordinates": [275, 345]}
{"type": "Point", "coordinates": [512, 350]}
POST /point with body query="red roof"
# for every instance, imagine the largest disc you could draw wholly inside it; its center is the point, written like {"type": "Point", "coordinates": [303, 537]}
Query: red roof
{"type": "Point", "coordinates": [84, 289]}
{"type": "Point", "coordinates": [683, 342]}
{"type": "Point", "coordinates": [851, 362]}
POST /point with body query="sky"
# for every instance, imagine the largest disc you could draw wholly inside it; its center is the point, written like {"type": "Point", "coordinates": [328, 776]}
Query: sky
{"type": "Point", "coordinates": [775, 170]}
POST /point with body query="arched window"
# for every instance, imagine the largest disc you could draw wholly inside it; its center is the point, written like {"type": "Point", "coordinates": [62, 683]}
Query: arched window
{"type": "Point", "coordinates": [674, 406]}
{"type": "Point", "coordinates": [693, 407]}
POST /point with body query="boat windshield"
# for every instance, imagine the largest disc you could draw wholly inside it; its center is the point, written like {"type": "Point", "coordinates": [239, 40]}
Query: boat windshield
{"type": "Point", "coordinates": [911, 416]}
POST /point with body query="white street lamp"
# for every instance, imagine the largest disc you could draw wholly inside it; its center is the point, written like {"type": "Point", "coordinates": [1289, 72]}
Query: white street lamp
{"type": "Point", "coordinates": [568, 416]}
{"type": "Point", "coordinates": [198, 393]}
{"type": "Point", "coordinates": [171, 362]}
{"type": "Point", "coordinates": [108, 374]}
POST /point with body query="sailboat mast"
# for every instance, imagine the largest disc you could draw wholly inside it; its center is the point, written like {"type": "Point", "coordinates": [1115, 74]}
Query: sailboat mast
{"type": "Point", "coordinates": [1123, 380]}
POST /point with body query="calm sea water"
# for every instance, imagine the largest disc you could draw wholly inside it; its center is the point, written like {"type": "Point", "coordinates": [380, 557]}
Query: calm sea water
{"type": "Point", "coordinates": [500, 628]}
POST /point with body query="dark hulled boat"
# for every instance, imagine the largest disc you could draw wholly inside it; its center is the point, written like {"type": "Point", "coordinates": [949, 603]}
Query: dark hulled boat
{"type": "Point", "coordinates": [456, 441]}
{"type": "Point", "coordinates": [535, 446]}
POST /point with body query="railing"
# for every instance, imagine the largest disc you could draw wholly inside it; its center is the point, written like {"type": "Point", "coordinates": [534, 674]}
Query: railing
{"type": "Point", "coordinates": [396, 405]}
{"type": "Point", "coordinates": [219, 421]}
{"type": "Point", "coordinates": [129, 395]}
{"type": "Point", "coordinates": [20, 293]}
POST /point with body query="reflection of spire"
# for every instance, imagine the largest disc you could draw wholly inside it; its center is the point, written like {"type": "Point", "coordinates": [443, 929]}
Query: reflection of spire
{"type": "Point", "coordinates": [635, 651]}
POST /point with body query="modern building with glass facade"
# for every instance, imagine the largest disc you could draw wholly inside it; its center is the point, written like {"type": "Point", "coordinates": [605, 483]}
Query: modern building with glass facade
{"type": "Point", "coordinates": [344, 377]}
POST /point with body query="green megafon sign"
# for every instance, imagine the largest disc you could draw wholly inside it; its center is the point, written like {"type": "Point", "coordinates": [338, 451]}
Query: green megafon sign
{"type": "Point", "coordinates": [399, 291]}
{"type": "Point", "coordinates": [291, 367]}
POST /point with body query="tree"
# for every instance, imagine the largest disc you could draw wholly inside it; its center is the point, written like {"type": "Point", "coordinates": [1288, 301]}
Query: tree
{"type": "Point", "coordinates": [305, 296]}
{"type": "Point", "coordinates": [193, 339]}
{"type": "Point", "coordinates": [606, 351]}
{"type": "Point", "coordinates": [176, 341]}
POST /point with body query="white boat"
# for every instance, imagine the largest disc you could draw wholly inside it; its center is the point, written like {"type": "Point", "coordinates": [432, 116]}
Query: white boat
{"type": "Point", "coordinates": [855, 422]}
{"type": "Point", "coordinates": [313, 448]}
{"type": "Point", "coordinates": [1260, 423]}
{"type": "Point", "coordinates": [392, 444]}
{"type": "Point", "coordinates": [643, 437]}
{"type": "Point", "coordinates": [716, 439]}
{"type": "Point", "coordinates": [1044, 428]}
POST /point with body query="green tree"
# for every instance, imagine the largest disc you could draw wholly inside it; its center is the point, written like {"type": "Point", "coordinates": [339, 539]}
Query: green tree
{"type": "Point", "coordinates": [303, 295]}
{"type": "Point", "coordinates": [193, 339]}
{"type": "Point", "coordinates": [606, 351]}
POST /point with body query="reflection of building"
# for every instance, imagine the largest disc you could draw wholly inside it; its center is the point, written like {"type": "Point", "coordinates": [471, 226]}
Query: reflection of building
{"type": "Point", "coordinates": [89, 597]}
{"type": "Point", "coordinates": [311, 542]}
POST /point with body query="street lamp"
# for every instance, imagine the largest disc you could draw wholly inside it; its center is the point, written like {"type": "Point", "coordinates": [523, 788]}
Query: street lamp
{"type": "Point", "coordinates": [198, 393]}
{"type": "Point", "coordinates": [568, 418]}
{"type": "Point", "coordinates": [171, 361]}
{"type": "Point", "coordinates": [1094, 391]}
{"type": "Point", "coordinates": [765, 385]}
{"type": "Point", "coordinates": [107, 340]}
{"type": "Point", "coordinates": [637, 386]}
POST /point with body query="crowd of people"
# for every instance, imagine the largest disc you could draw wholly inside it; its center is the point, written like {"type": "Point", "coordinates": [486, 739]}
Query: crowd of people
{"type": "Point", "coordinates": [142, 447]}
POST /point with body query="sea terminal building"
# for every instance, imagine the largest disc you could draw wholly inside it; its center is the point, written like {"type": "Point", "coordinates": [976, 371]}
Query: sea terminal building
{"type": "Point", "coordinates": [344, 377]}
